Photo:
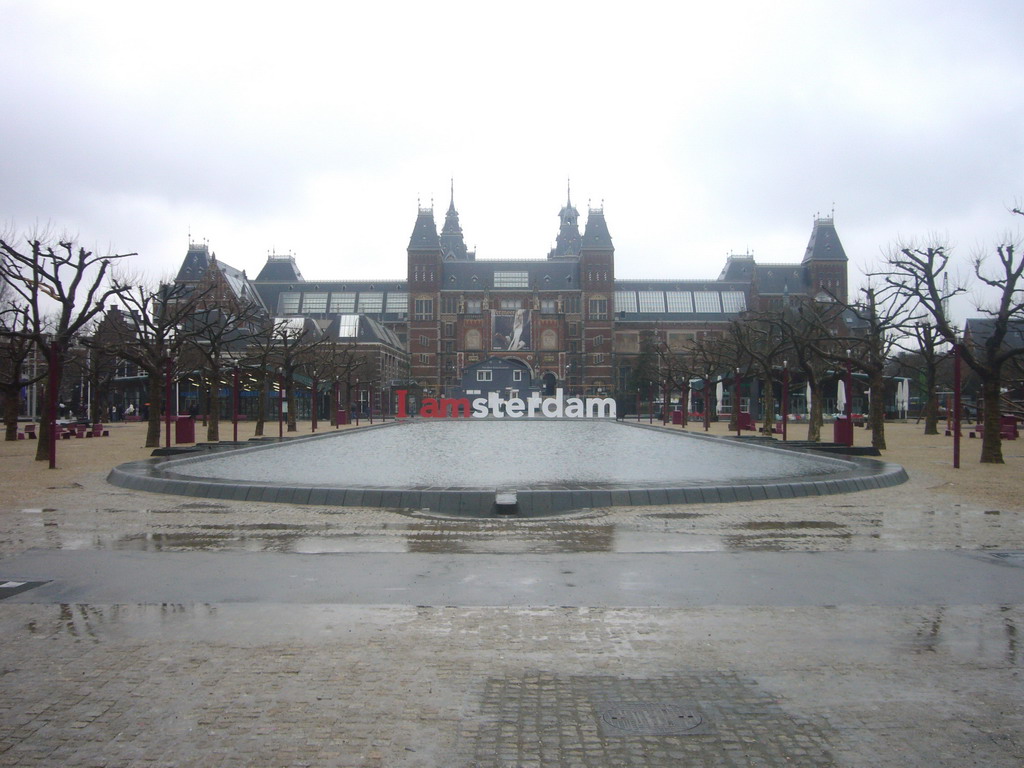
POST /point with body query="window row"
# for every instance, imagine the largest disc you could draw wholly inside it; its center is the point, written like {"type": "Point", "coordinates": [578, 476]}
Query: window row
{"type": "Point", "coordinates": [342, 303]}
{"type": "Point", "coordinates": [707, 302]}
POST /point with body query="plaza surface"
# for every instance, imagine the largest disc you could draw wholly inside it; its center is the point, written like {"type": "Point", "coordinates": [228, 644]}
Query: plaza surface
{"type": "Point", "coordinates": [880, 628]}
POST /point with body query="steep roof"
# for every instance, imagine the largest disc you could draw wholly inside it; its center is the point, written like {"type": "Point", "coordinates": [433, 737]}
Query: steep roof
{"type": "Point", "coordinates": [596, 236]}
{"type": "Point", "coordinates": [280, 268]}
{"type": "Point", "coordinates": [424, 232]}
{"type": "Point", "coordinates": [824, 244]}
{"type": "Point", "coordinates": [196, 262]}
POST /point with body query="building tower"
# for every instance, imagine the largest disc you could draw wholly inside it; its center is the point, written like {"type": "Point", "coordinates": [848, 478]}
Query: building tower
{"type": "Point", "coordinates": [825, 262]}
{"type": "Point", "coordinates": [597, 281]}
{"type": "Point", "coordinates": [425, 260]}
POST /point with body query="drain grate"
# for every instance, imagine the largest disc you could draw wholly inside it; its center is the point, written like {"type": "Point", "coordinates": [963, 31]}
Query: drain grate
{"type": "Point", "coordinates": [638, 719]}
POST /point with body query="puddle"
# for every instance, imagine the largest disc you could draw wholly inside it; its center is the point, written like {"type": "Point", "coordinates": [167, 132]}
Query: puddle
{"type": "Point", "coordinates": [778, 525]}
{"type": "Point", "coordinates": [497, 537]}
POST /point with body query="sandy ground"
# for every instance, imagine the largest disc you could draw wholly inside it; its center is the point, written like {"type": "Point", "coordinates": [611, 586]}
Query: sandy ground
{"type": "Point", "coordinates": [411, 685]}
{"type": "Point", "coordinates": [25, 482]}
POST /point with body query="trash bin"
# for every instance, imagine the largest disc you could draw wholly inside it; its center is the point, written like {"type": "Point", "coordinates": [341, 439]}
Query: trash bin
{"type": "Point", "coordinates": [184, 430]}
{"type": "Point", "coordinates": [842, 431]}
{"type": "Point", "coordinates": [342, 417]}
{"type": "Point", "coordinates": [677, 417]}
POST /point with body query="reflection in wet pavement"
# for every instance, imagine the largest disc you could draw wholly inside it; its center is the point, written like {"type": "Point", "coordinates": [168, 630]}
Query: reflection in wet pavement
{"type": "Point", "coordinates": [978, 634]}
{"type": "Point", "coordinates": [203, 527]}
{"type": "Point", "coordinates": [448, 537]}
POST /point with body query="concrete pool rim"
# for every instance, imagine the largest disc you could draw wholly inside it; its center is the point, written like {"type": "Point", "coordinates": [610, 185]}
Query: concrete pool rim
{"type": "Point", "coordinates": [160, 475]}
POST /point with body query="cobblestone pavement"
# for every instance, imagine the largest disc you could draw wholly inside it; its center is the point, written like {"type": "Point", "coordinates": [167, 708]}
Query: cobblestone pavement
{"type": "Point", "coordinates": [242, 684]}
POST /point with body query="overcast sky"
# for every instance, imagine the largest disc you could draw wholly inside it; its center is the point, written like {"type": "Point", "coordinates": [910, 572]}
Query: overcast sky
{"type": "Point", "coordinates": [317, 128]}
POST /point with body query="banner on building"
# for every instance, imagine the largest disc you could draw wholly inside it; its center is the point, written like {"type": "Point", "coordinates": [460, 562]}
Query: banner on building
{"type": "Point", "coordinates": [510, 330]}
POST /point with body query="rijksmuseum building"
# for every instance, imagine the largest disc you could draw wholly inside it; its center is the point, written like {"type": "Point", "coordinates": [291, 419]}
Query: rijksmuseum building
{"type": "Point", "coordinates": [565, 320]}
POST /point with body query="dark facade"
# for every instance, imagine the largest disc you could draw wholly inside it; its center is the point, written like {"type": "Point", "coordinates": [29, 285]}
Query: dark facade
{"type": "Point", "coordinates": [565, 317]}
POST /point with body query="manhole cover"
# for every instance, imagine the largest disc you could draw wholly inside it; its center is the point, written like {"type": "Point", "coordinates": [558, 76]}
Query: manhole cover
{"type": "Point", "coordinates": [1014, 558]}
{"type": "Point", "coordinates": [648, 720]}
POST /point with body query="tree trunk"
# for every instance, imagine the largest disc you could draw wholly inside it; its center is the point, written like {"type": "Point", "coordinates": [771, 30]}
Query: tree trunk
{"type": "Point", "coordinates": [876, 409]}
{"type": "Point", "coordinates": [931, 406]}
{"type": "Point", "coordinates": [153, 427]}
{"type": "Point", "coordinates": [815, 418]}
{"type": "Point", "coordinates": [213, 423]}
{"type": "Point", "coordinates": [261, 405]}
{"type": "Point", "coordinates": [991, 441]}
{"type": "Point", "coordinates": [769, 404]}
{"type": "Point", "coordinates": [289, 396]}
{"type": "Point", "coordinates": [43, 448]}
{"type": "Point", "coordinates": [12, 404]}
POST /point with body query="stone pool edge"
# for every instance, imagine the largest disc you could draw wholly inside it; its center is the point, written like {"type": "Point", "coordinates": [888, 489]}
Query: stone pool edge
{"type": "Point", "coordinates": [157, 476]}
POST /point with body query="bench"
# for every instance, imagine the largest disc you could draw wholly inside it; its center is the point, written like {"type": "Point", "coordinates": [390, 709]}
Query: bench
{"type": "Point", "coordinates": [1008, 429]}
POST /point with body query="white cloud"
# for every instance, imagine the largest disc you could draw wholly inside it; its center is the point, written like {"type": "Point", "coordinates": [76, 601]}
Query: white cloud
{"type": "Point", "coordinates": [315, 128]}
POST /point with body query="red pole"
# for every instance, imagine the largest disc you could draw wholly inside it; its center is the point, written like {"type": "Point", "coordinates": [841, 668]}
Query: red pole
{"type": "Point", "coordinates": [335, 402]}
{"type": "Point", "coordinates": [168, 374]}
{"type": "Point", "coordinates": [707, 404]}
{"type": "Point", "coordinates": [370, 400]}
{"type": "Point", "coordinates": [234, 405]}
{"type": "Point", "coordinates": [736, 399]}
{"type": "Point", "coordinates": [314, 404]}
{"type": "Point", "coordinates": [956, 406]}
{"type": "Point", "coordinates": [785, 399]}
{"type": "Point", "coordinates": [51, 396]}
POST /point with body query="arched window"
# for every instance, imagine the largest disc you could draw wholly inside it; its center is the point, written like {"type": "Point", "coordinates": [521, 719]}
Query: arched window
{"type": "Point", "coordinates": [473, 339]}
{"type": "Point", "coordinates": [549, 340]}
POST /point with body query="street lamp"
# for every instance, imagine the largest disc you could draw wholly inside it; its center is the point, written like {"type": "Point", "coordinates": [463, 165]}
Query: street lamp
{"type": "Point", "coordinates": [849, 398]}
{"type": "Point", "coordinates": [280, 404]}
{"type": "Point", "coordinates": [234, 404]}
{"type": "Point", "coordinates": [956, 402]}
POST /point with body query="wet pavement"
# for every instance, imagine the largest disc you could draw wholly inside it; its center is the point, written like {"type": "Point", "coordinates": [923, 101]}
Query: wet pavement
{"type": "Point", "coordinates": [873, 629]}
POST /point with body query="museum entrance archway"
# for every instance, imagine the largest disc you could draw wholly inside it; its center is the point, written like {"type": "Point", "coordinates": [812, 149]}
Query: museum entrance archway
{"type": "Point", "coordinates": [549, 380]}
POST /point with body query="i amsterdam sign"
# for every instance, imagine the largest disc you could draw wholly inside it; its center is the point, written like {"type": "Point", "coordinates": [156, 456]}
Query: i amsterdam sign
{"type": "Point", "coordinates": [493, 406]}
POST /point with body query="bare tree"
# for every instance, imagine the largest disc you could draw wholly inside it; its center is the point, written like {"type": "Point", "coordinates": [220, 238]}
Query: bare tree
{"type": "Point", "coordinates": [920, 273]}
{"type": "Point", "coordinates": [802, 327]}
{"type": "Point", "coordinates": [296, 343]}
{"type": "Point", "coordinates": [218, 336]}
{"type": "Point", "coordinates": [335, 362]}
{"type": "Point", "coordinates": [63, 275]}
{"type": "Point", "coordinates": [677, 369]}
{"type": "Point", "coordinates": [760, 340]}
{"type": "Point", "coordinates": [864, 336]}
{"type": "Point", "coordinates": [15, 351]}
{"type": "Point", "coordinates": [925, 352]}
{"type": "Point", "coordinates": [151, 332]}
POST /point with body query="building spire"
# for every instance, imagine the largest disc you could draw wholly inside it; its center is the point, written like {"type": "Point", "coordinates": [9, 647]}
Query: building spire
{"type": "Point", "coordinates": [567, 242]}
{"type": "Point", "coordinates": [453, 245]}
